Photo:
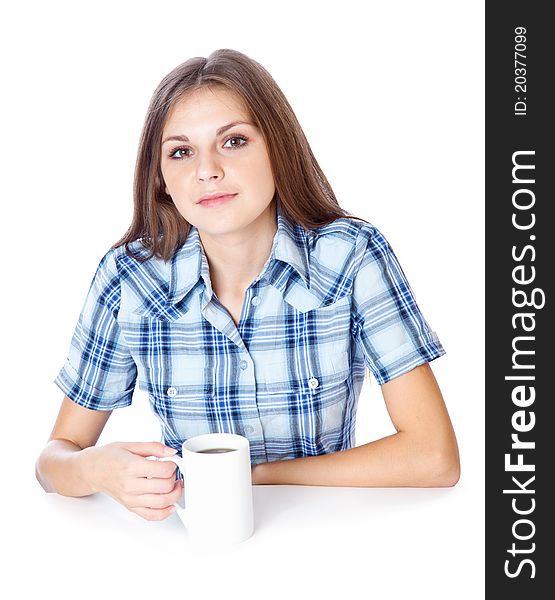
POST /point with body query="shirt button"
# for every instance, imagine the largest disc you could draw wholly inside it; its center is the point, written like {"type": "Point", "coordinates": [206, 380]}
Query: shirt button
{"type": "Point", "coordinates": [249, 429]}
{"type": "Point", "coordinates": [243, 364]}
{"type": "Point", "coordinates": [313, 383]}
{"type": "Point", "coordinates": [171, 391]}
{"type": "Point", "coordinates": [255, 301]}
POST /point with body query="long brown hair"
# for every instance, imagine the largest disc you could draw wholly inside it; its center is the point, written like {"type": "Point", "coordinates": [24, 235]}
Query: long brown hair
{"type": "Point", "coordinates": [305, 194]}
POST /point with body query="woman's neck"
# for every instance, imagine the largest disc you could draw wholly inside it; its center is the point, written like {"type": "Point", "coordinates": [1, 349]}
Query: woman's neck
{"type": "Point", "coordinates": [235, 263]}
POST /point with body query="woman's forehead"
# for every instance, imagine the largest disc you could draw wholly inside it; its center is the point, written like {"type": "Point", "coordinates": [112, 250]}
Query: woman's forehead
{"type": "Point", "coordinates": [207, 101]}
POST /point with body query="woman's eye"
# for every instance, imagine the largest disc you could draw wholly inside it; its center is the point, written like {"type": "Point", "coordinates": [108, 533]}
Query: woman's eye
{"type": "Point", "coordinates": [177, 151]}
{"type": "Point", "coordinates": [236, 137]}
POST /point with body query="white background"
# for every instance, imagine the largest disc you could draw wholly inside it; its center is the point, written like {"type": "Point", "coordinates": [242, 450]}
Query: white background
{"type": "Point", "coordinates": [390, 97]}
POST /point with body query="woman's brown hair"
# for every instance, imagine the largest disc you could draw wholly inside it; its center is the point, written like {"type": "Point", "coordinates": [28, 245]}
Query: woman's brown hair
{"type": "Point", "coordinates": [304, 192]}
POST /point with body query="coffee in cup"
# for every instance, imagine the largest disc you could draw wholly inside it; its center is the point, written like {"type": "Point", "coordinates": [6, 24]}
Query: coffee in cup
{"type": "Point", "coordinates": [216, 450]}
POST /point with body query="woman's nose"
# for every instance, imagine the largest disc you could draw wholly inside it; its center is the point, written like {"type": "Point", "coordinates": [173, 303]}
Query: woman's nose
{"type": "Point", "coordinates": [209, 168]}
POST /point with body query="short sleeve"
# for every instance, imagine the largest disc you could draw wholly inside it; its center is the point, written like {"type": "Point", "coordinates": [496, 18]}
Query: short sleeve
{"type": "Point", "coordinates": [390, 329]}
{"type": "Point", "coordinates": [99, 372]}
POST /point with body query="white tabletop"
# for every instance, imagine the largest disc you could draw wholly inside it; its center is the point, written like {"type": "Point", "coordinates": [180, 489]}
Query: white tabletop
{"type": "Point", "coordinates": [310, 542]}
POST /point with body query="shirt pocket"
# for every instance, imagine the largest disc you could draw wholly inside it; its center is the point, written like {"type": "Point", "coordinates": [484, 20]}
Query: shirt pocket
{"type": "Point", "coordinates": [306, 402]}
{"type": "Point", "coordinates": [182, 403]}
{"type": "Point", "coordinates": [300, 374]}
{"type": "Point", "coordinates": [307, 385]}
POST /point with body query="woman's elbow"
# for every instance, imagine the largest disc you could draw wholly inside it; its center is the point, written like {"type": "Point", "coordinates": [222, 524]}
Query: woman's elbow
{"type": "Point", "coordinates": [445, 468]}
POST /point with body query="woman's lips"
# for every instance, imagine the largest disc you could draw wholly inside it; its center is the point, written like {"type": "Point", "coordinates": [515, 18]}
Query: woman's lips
{"type": "Point", "coordinates": [217, 201]}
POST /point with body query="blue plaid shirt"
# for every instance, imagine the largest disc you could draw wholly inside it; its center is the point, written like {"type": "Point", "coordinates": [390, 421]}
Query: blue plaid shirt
{"type": "Point", "coordinates": [327, 304]}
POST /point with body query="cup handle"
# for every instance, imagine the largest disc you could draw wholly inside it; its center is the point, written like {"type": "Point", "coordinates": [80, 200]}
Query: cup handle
{"type": "Point", "coordinates": [182, 512]}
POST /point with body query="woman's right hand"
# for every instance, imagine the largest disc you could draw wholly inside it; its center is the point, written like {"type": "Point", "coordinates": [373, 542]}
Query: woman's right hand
{"type": "Point", "coordinates": [146, 487]}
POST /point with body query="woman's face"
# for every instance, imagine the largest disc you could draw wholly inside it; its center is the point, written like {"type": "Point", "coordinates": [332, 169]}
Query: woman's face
{"type": "Point", "coordinates": [214, 155]}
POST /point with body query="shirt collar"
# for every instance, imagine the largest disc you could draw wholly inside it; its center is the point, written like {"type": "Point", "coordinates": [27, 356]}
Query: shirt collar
{"type": "Point", "coordinates": [190, 265]}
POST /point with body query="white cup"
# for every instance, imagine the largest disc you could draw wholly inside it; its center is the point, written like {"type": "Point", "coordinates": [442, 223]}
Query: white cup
{"type": "Point", "coordinates": [217, 492]}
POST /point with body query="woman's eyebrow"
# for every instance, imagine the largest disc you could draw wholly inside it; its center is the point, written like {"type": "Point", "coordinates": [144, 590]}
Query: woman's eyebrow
{"type": "Point", "coordinates": [223, 129]}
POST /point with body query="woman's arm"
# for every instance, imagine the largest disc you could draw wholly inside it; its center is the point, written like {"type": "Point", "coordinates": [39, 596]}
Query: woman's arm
{"type": "Point", "coordinates": [59, 466]}
{"type": "Point", "coordinates": [423, 452]}
{"type": "Point", "coordinates": [72, 465]}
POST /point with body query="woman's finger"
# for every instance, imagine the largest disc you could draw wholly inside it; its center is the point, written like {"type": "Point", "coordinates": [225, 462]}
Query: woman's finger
{"type": "Point", "coordinates": [153, 485]}
{"type": "Point", "coordinates": [147, 448]}
{"type": "Point", "coordinates": [153, 514]}
{"type": "Point", "coordinates": [159, 500]}
{"type": "Point", "coordinates": [143, 467]}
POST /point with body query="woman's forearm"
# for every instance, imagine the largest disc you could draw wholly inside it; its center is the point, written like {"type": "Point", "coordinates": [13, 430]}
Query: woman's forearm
{"type": "Point", "coordinates": [398, 460]}
{"type": "Point", "coordinates": [59, 469]}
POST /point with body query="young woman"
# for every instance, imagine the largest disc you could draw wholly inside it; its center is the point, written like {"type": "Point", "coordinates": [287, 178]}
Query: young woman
{"type": "Point", "coordinates": [243, 299]}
